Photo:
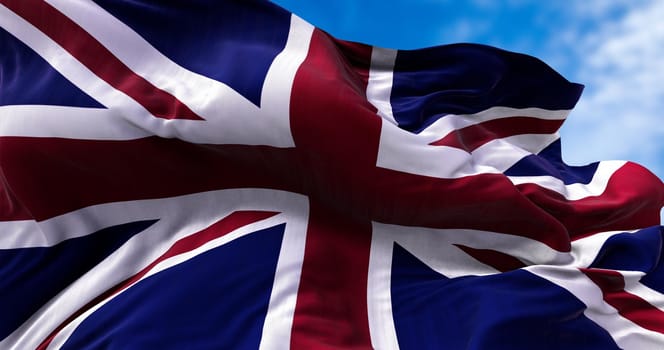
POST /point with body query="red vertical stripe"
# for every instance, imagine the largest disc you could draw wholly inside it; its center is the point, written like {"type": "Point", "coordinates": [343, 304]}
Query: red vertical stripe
{"type": "Point", "coordinates": [336, 132]}
{"type": "Point", "coordinates": [358, 57]}
{"type": "Point", "coordinates": [331, 309]}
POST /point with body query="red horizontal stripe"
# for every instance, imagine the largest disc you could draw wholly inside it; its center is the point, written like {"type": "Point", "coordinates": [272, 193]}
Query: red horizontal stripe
{"type": "Point", "coordinates": [49, 177]}
{"type": "Point", "coordinates": [474, 136]}
{"type": "Point", "coordinates": [99, 59]}
{"type": "Point", "coordinates": [630, 306]}
{"type": "Point", "coordinates": [11, 207]}
{"type": "Point", "coordinates": [220, 228]}
{"type": "Point", "coordinates": [625, 204]}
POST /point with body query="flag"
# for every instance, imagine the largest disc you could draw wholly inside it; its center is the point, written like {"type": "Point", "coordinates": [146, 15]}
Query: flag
{"type": "Point", "coordinates": [221, 174]}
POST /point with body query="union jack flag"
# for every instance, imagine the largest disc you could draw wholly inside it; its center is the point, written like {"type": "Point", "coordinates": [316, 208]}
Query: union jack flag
{"type": "Point", "coordinates": [221, 174]}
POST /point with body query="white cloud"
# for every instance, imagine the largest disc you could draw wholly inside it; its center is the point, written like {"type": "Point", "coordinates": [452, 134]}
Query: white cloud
{"type": "Point", "coordinates": [600, 8]}
{"type": "Point", "coordinates": [463, 30]}
{"type": "Point", "coordinates": [621, 114]}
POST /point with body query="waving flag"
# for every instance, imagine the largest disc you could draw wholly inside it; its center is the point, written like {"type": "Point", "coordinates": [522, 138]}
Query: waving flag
{"type": "Point", "coordinates": [220, 174]}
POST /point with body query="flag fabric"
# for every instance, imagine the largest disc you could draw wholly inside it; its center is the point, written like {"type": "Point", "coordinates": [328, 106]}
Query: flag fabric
{"type": "Point", "coordinates": [221, 174]}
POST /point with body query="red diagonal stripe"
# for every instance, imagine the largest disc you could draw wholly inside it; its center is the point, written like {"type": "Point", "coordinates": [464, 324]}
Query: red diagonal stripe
{"type": "Point", "coordinates": [498, 260]}
{"type": "Point", "coordinates": [474, 136]}
{"type": "Point", "coordinates": [99, 59]}
{"type": "Point", "coordinates": [630, 306]}
{"type": "Point", "coordinates": [186, 244]}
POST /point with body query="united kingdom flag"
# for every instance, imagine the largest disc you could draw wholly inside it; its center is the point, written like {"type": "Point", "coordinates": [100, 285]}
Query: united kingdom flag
{"type": "Point", "coordinates": [222, 175]}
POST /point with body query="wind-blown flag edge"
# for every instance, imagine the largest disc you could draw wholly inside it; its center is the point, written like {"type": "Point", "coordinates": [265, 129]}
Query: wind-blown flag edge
{"type": "Point", "coordinates": [355, 196]}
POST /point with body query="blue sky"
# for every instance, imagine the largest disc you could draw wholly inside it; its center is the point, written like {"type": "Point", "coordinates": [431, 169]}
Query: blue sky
{"type": "Point", "coordinates": [615, 48]}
